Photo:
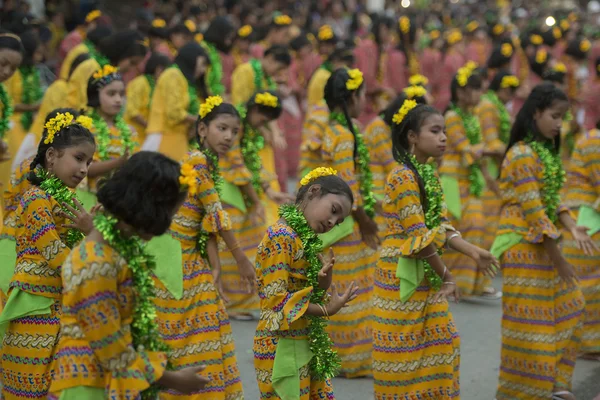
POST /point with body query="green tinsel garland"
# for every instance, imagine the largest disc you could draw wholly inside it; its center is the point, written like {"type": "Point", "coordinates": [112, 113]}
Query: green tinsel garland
{"type": "Point", "coordinates": [214, 77]}
{"type": "Point", "coordinates": [325, 361]}
{"type": "Point", "coordinates": [194, 106]}
{"type": "Point", "coordinates": [32, 93]}
{"type": "Point", "coordinates": [252, 142]}
{"type": "Point", "coordinates": [362, 162]}
{"type": "Point", "coordinates": [95, 54]}
{"type": "Point", "coordinates": [144, 329]}
{"type": "Point", "coordinates": [504, 133]}
{"type": "Point", "coordinates": [152, 83]}
{"type": "Point", "coordinates": [473, 133]}
{"type": "Point", "coordinates": [7, 111]}
{"type": "Point", "coordinates": [215, 174]}
{"type": "Point", "coordinates": [63, 195]}
{"type": "Point", "coordinates": [259, 75]}
{"type": "Point", "coordinates": [433, 215]}
{"type": "Point", "coordinates": [570, 136]}
{"type": "Point", "coordinates": [327, 66]}
{"type": "Point", "coordinates": [554, 175]}
{"type": "Point", "coordinates": [103, 135]}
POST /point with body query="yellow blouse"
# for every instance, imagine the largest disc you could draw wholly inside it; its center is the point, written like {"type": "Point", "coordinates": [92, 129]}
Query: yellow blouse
{"type": "Point", "coordinates": [138, 104]}
{"type": "Point", "coordinates": [53, 98]}
{"type": "Point", "coordinates": [489, 118]}
{"type": "Point", "coordinates": [95, 347]}
{"type": "Point", "coordinates": [583, 175]}
{"type": "Point", "coordinates": [19, 185]}
{"type": "Point", "coordinates": [75, 52]}
{"type": "Point", "coordinates": [460, 153]}
{"type": "Point", "coordinates": [242, 84]}
{"type": "Point", "coordinates": [316, 86]}
{"type": "Point", "coordinates": [78, 83]}
{"type": "Point", "coordinates": [312, 136]}
{"type": "Point", "coordinates": [378, 139]}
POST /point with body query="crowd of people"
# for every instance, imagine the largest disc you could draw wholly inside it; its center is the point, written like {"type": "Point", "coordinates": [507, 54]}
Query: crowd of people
{"type": "Point", "coordinates": [145, 177]}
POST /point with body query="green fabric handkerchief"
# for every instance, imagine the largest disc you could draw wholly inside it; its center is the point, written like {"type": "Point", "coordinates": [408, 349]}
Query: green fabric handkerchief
{"type": "Point", "coordinates": [379, 197]}
{"type": "Point", "coordinates": [22, 304]}
{"type": "Point", "coordinates": [589, 218]}
{"type": "Point", "coordinates": [411, 272]}
{"type": "Point", "coordinates": [504, 242]}
{"type": "Point", "coordinates": [233, 196]}
{"type": "Point", "coordinates": [338, 232]}
{"type": "Point", "coordinates": [82, 392]}
{"type": "Point", "coordinates": [451, 190]}
{"type": "Point", "coordinates": [8, 259]}
{"type": "Point", "coordinates": [290, 356]}
{"type": "Point", "coordinates": [493, 169]}
{"type": "Point", "coordinates": [169, 263]}
{"type": "Point", "coordinates": [88, 199]}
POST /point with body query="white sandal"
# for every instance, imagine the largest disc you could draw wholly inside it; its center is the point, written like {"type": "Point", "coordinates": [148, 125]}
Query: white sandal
{"type": "Point", "coordinates": [491, 294]}
{"type": "Point", "coordinates": [559, 395]}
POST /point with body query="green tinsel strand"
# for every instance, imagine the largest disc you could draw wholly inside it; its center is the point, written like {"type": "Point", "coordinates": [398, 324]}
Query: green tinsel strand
{"type": "Point", "coordinates": [259, 75]}
{"type": "Point", "coordinates": [214, 77]}
{"type": "Point", "coordinates": [102, 133]}
{"type": "Point", "coordinates": [7, 111]}
{"type": "Point", "coordinates": [473, 134]}
{"type": "Point", "coordinates": [32, 92]}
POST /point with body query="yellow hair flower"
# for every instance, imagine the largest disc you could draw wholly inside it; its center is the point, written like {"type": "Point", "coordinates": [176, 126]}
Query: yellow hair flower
{"type": "Point", "coordinates": [190, 25]}
{"type": "Point", "coordinates": [572, 16]}
{"type": "Point", "coordinates": [355, 79]}
{"type": "Point", "coordinates": [509, 81]}
{"type": "Point", "coordinates": [145, 42]}
{"type": "Point", "coordinates": [401, 114]}
{"type": "Point", "coordinates": [104, 71]}
{"type": "Point", "coordinates": [415, 91]}
{"type": "Point", "coordinates": [516, 41]}
{"type": "Point", "coordinates": [245, 31]}
{"type": "Point", "coordinates": [541, 56]}
{"type": "Point", "coordinates": [54, 125]}
{"type": "Point", "coordinates": [472, 65]}
{"type": "Point", "coordinates": [560, 67]}
{"type": "Point", "coordinates": [208, 105]}
{"type": "Point", "coordinates": [463, 75]}
{"type": "Point", "coordinates": [472, 26]}
{"type": "Point", "coordinates": [92, 16]}
{"type": "Point", "coordinates": [199, 38]}
{"type": "Point", "coordinates": [159, 23]}
{"type": "Point", "coordinates": [317, 173]}
{"type": "Point", "coordinates": [536, 39]}
{"type": "Point", "coordinates": [556, 32]}
{"type": "Point", "coordinates": [282, 20]}
{"type": "Point", "coordinates": [565, 25]}
{"type": "Point", "coordinates": [434, 34]}
{"type": "Point", "coordinates": [266, 99]}
{"type": "Point", "coordinates": [585, 45]}
{"type": "Point", "coordinates": [454, 37]}
{"type": "Point", "coordinates": [498, 29]}
{"type": "Point", "coordinates": [416, 80]}
{"type": "Point", "coordinates": [187, 179]}
{"type": "Point", "coordinates": [325, 33]}
{"type": "Point", "coordinates": [85, 121]}
{"type": "Point", "coordinates": [506, 50]}
{"type": "Point", "coordinates": [404, 24]}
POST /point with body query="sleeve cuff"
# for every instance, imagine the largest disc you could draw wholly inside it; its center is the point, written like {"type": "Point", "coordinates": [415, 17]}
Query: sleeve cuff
{"type": "Point", "coordinates": [216, 219]}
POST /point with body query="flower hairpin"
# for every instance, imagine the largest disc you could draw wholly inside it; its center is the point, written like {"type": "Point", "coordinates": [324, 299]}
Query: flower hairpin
{"type": "Point", "coordinates": [317, 173]}
{"type": "Point", "coordinates": [210, 103]}
{"type": "Point", "coordinates": [401, 114]}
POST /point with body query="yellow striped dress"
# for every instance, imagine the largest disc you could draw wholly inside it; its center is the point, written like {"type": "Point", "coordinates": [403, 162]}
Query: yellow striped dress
{"type": "Point", "coordinates": [41, 252]}
{"type": "Point", "coordinates": [541, 315]}
{"type": "Point", "coordinates": [350, 329]}
{"type": "Point", "coordinates": [12, 196]}
{"type": "Point", "coordinates": [416, 347]}
{"type": "Point", "coordinates": [284, 298]}
{"type": "Point", "coordinates": [457, 159]}
{"type": "Point", "coordinates": [583, 189]}
{"type": "Point", "coordinates": [378, 139]}
{"type": "Point", "coordinates": [317, 118]}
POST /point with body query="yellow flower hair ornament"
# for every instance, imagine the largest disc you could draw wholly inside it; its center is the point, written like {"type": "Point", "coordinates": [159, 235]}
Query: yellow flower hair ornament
{"type": "Point", "coordinates": [282, 20]}
{"type": "Point", "coordinates": [565, 25]}
{"type": "Point", "coordinates": [472, 26]}
{"type": "Point", "coordinates": [541, 56]}
{"type": "Point", "coordinates": [190, 25]}
{"type": "Point", "coordinates": [536, 39]}
{"type": "Point", "coordinates": [105, 71]}
{"type": "Point", "coordinates": [401, 114]}
{"type": "Point", "coordinates": [498, 29]}
{"type": "Point", "coordinates": [463, 75]}
{"type": "Point", "coordinates": [404, 24]}
{"type": "Point", "coordinates": [415, 91]}
{"type": "Point", "coordinates": [325, 33]}
{"type": "Point", "coordinates": [85, 121]}
{"type": "Point", "coordinates": [61, 121]}
{"type": "Point", "coordinates": [509, 81]}
{"type": "Point", "coordinates": [245, 31]}
{"type": "Point", "coordinates": [556, 32]}
{"type": "Point", "coordinates": [208, 105]}
{"type": "Point", "coordinates": [317, 173]}
{"type": "Point", "coordinates": [199, 38]}
{"type": "Point", "coordinates": [560, 67]}
{"type": "Point", "coordinates": [506, 50]}
{"type": "Point", "coordinates": [434, 34]}
{"type": "Point", "coordinates": [416, 80]}
{"type": "Point", "coordinates": [454, 37]}
{"type": "Point", "coordinates": [92, 16]}
{"type": "Point", "coordinates": [585, 46]}
{"type": "Point", "coordinates": [266, 99]}
{"type": "Point", "coordinates": [355, 79]}
{"type": "Point", "coordinates": [159, 23]}
{"type": "Point", "coordinates": [187, 179]}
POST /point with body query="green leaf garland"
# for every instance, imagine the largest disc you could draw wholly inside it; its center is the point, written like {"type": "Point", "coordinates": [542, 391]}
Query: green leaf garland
{"type": "Point", "coordinates": [7, 111]}
{"type": "Point", "coordinates": [327, 66]}
{"type": "Point", "coordinates": [152, 83]}
{"type": "Point", "coordinates": [554, 175]}
{"type": "Point", "coordinates": [95, 54]}
{"type": "Point", "coordinates": [215, 174]}
{"type": "Point", "coordinates": [32, 92]}
{"type": "Point", "coordinates": [251, 144]}
{"type": "Point", "coordinates": [259, 75]}
{"type": "Point", "coordinates": [102, 133]}
{"type": "Point", "coordinates": [144, 329]}
{"type": "Point", "coordinates": [505, 124]}
{"type": "Point", "coordinates": [362, 163]}
{"type": "Point", "coordinates": [325, 361]}
{"type": "Point", "coordinates": [473, 133]}
{"type": "Point", "coordinates": [214, 77]}
{"type": "Point", "coordinates": [63, 195]}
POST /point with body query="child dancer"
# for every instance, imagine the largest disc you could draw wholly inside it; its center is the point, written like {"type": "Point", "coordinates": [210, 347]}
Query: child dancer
{"type": "Point", "coordinates": [44, 239]}
{"type": "Point", "coordinates": [293, 357]}
{"type": "Point", "coordinates": [416, 328]}
{"type": "Point", "coordinates": [542, 305]}
{"type": "Point", "coordinates": [116, 140]}
{"type": "Point", "coordinates": [107, 329]}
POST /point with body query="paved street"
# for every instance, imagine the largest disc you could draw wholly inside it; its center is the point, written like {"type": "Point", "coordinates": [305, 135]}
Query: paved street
{"type": "Point", "coordinates": [479, 325]}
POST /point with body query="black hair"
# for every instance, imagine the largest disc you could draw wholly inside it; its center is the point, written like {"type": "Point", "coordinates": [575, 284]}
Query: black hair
{"type": "Point", "coordinates": [548, 36]}
{"type": "Point", "coordinates": [378, 22]}
{"type": "Point", "coordinates": [475, 81]}
{"type": "Point", "coordinates": [299, 42]}
{"type": "Point", "coordinates": [498, 60]}
{"type": "Point", "coordinates": [400, 147]}
{"type": "Point", "coordinates": [330, 184]}
{"type": "Point", "coordinates": [31, 42]}
{"type": "Point", "coordinates": [337, 95]}
{"type": "Point", "coordinates": [407, 40]}
{"type": "Point", "coordinates": [78, 60]}
{"type": "Point", "coordinates": [155, 61]}
{"type": "Point", "coordinates": [68, 136]}
{"type": "Point", "coordinates": [554, 76]}
{"type": "Point", "coordinates": [96, 35]}
{"type": "Point", "coordinates": [394, 106]}
{"type": "Point", "coordinates": [122, 45]}
{"type": "Point", "coordinates": [18, 22]}
{"type": "Point", "coordinates": [280, 54]}
{"type": "Point", "coordinates": [270, 112]}
{"type": "Point", "coordinates": [10, 41]}
{"type": "Point", "coordinates": [159, 32]}
{"type": "Point", "coordinates": [182, 29]}
{"type": "Point", "coordinates": [541, 98]}
{"type": "Point", "coordinates": [343, 54]}
{"type": "Point", "coordinates": [497, 81]}
{"type": "Point", "coordinates": [218, 30]}
{"type": "Point", "coordinates": [597, 67]}
{"type": "Point", "coordinates": [144, 192]}
{"type": "Point", "coordinates": [93, 89]}
{"type": "Point", "coordinates": [186, 61]}
{"type": "Point", "coordinates": [574, 49]}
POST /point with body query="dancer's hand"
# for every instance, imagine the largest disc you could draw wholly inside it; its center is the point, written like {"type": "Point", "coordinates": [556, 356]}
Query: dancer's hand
{"type": "Point", "coordinates": [81, 219]}
{"type": "Point", "coordinates": [279, 197]}
{"type": "Point", "coordinates": [448, 289]}
{"type": "Point", "coordinates": [567, 273]}
{"type": "Point", "coordinates": [584, 241]}
{"type": "Point", "coordinates": [486, 262]}
{"type": "Point", "coordinates": [218, 282]}
{"type": "Point", "coordinates": [185, 381]}
{"type": "Point", "coordinates": [326, 272]}
{"type": "Point", "coordinates": [247, 274]}
{"type": "Point", "coordinates": [340, 300]}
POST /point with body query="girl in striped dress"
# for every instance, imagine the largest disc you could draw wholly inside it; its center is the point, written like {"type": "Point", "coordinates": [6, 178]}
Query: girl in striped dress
{"type": "Point", "coordinates": [542, 305]}
{"type": "Point", "coordinates": [416, 347]}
